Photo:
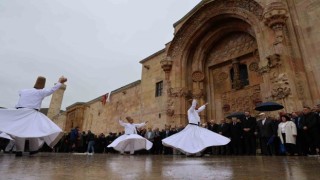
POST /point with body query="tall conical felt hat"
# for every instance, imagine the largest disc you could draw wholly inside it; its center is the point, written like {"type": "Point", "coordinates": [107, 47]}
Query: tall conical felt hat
{"type": "Point", "coordinates": [40, 83]}
{"type": "Point", "coordinates": [129, 118]}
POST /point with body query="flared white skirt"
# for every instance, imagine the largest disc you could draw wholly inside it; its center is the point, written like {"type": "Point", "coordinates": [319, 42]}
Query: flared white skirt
{"type": "Point", "coordinates": [136, 141]}
{"type": "Point", "coordinates": [29, 123]}
{"type": "Point", "coordinates": [193, 139]}
{"type": "Point", "coordinates": [5, 136]}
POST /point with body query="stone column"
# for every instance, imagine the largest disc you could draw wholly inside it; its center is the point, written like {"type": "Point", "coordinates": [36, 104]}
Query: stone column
{"type": "Point", "coordinates": [275, 16]}
{"type": "Point", "coordinates": [166, 65]}
{"type": "Point", "coordinates": [56, 102]}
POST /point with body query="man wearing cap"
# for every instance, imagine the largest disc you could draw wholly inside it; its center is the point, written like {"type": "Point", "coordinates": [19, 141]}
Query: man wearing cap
{"type": "Point", "coordinates": [27, 123]}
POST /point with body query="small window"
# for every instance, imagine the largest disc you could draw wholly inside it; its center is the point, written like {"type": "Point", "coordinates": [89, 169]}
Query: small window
{"type": "Point", "coordinates": [159, 86]}
{"type": "Point", "coordinates": [243, 76]}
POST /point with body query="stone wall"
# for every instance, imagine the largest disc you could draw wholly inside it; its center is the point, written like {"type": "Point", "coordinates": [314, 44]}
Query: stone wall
{"type": "Point", "coordinates": [153, 109]}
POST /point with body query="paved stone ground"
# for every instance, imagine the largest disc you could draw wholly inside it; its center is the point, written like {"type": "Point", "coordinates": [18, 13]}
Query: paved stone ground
{"type": "Point", "coordinates": [63, 166]}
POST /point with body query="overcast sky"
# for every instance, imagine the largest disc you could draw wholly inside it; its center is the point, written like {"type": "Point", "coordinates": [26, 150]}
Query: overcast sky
{"type": "Point", "coordinates": [96, 44]}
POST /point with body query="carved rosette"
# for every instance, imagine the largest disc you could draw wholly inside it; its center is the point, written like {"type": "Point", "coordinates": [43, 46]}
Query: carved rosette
{"type": "Point", "coordinates": [275, 16]}
{"type": "Point", "coordinates": [166, 65]}
{"type": "Point", "coordinates": [197, 76]}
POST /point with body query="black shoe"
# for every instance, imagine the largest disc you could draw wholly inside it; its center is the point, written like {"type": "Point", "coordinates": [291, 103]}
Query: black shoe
{"type": "Point", "coordinates": [33, 152]}
{"type": "Point", "coordinates": [19, 154]}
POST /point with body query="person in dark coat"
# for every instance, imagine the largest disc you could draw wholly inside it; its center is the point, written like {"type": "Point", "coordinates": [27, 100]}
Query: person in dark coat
{"type": "Point", "coordinates": [311, 128]}
{"type": "Point", "coordinates": [164, 134]}
{"type": "Point", "coordinates": [224, 130]}
{"type": "Point", "coordinates": [301, 142]}
{"type": "Point", "coordinates": [214, 127]}
{"type": "Point", "coordinates": [236, 136]}
{"type": "Point", "coordinates": [249, 127]}
{"type": "Point", "coordinates": [265, 133]}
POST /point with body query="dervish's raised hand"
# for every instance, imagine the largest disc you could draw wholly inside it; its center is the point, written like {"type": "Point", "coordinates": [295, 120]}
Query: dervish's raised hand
{"type": "Point", "coordinates": [62, 79]}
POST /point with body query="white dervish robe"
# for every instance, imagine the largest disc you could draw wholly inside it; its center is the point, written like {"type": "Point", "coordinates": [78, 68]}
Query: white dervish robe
{"type": "Point", "coordinates": [27, 122]}
{"type": "Point", "coordinates": [130, 141]}
{"type": "Point", "coordinates": [193, 138]}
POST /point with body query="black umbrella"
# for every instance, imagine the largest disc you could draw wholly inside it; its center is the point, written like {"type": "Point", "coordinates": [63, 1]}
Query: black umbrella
{"type": "Point", "coordinates": [238, 115]}
{"type": "Point", "coordinates": [268, 106]}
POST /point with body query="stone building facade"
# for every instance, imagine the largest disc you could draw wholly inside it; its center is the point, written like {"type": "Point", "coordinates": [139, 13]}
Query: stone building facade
{"type": "Point", "coordinates": [230, 53]}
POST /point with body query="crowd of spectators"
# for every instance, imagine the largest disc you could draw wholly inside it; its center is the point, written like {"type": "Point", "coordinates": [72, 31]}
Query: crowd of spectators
{"type": "Point", "coordinates": [296, 133]}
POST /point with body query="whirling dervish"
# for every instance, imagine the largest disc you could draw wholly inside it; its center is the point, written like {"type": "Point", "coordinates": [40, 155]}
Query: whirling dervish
{"type": "Point", "coordinates": [25, 122]}
{"type": "Point", "coordinates": [130, 141]}
{"type": "Point", "coordinates": [193, 139]}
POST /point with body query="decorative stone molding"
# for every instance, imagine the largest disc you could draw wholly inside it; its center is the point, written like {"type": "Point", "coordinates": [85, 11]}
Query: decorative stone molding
{"type": "Point", "coordinates": [170, 107]}
{"type": "Point", "coordinates": [235, 45]}
{"type": "Point", "coordinates": [275, 16]}
{"type": "Point", "coordinates": [177, 92]}
{"type": "Point", "coordinates": [280, 86]}
{"type": "Point", "coordinates": [197, 93]}
{"type": "Point", "coordinates": [166, 65]}
{"type": "Point", "coordinates": [248, 10]}
{"type": "Point", "coordinates": [197, 76]}
{"type": "Point", "coordinates": [241, 100]}
{"type": "Point", "coordinates": [272, 61]}
{"type": "Point", "coordinates": [254, 66]}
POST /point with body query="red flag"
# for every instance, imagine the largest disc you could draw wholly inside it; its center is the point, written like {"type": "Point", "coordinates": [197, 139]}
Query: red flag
{"type": "Point", "coordinates": [104, 99]}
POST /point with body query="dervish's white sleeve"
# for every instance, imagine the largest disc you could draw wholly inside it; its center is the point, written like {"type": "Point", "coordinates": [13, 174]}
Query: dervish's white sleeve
{"type": "Point", "coordinates": [201, 108]}
{"type": "Point", "coordinates": [48, 91]}
{"type": "Point", "coordinates": [140, 125]}
{"type": "Point", "coordinates": [122, 123]}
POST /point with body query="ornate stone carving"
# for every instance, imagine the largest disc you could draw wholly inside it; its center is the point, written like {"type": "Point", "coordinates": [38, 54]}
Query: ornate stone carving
{"type": "Point", "coordinates": [280, 89]}
{"type": "Point", "coordinates": [275, 17]}
{"type": "Point", "coordinates": [170, 107]}
{"type": "Point", "coordinates": [254, 66]}
{"type": "Point", "coordinates": [249, 10]}
{"type": "Point", "coordinates": [241, 100]}
{"type": "Point", "coordinates": [300, 89]}
{"type": "Point", "coordinates": [271, 62]}
{"type": "Point", "coordinates": [166, 65]}
{"type": "Point", "coordinates": [197, 76]}
{"type": "Point", "coordinates": [233, 46]}
{"type": "Point", "coordinates": [177, 92]}
{"type": "Point", "coordinates": [197, 93]}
